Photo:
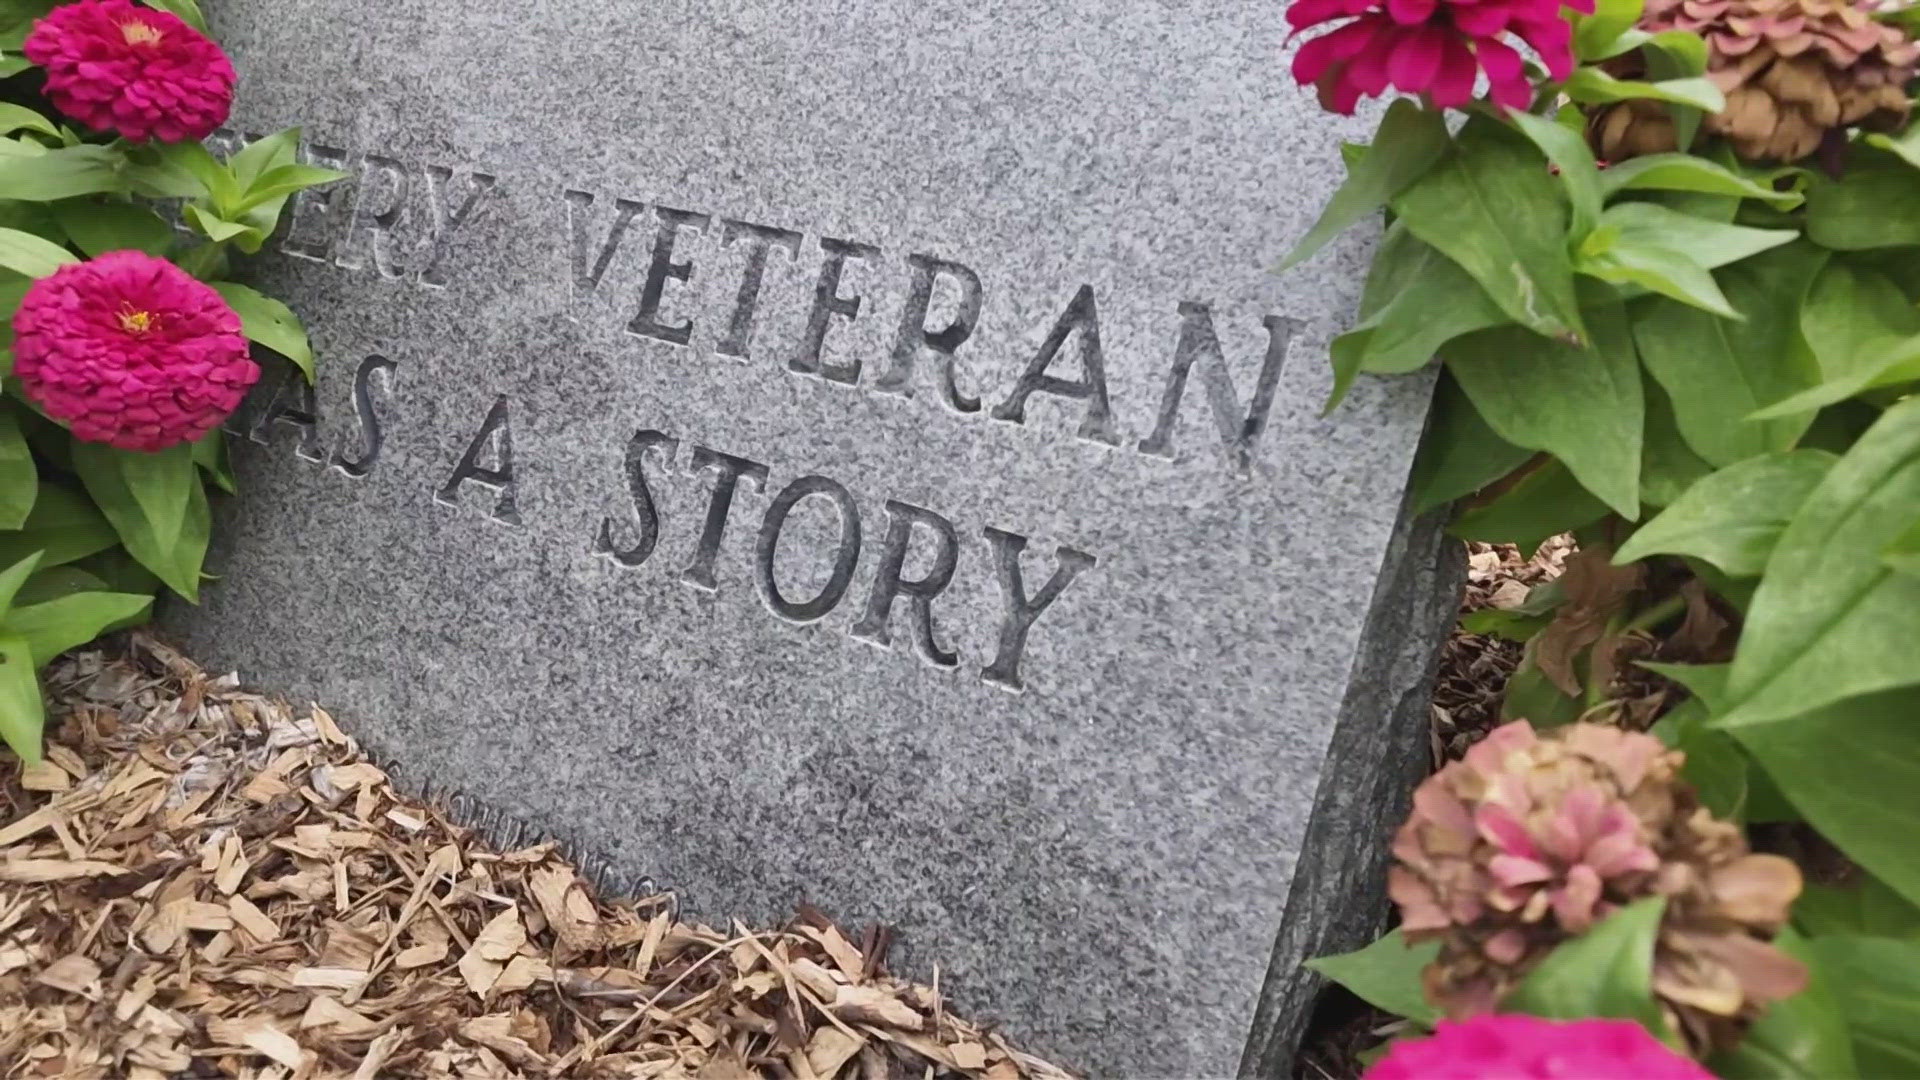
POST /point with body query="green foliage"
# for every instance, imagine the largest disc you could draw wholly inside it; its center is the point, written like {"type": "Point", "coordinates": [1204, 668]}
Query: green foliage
{"type": "Point", "coordinates": [1712, 367]}
{"type": "Point", "coordinates": [90, 533]}
{"type": "Point", "coordinates": [1386, 975]}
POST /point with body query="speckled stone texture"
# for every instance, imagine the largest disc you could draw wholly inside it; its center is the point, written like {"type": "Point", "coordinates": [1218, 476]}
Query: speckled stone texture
{"type": "Point", "coordinates": [599, 258]}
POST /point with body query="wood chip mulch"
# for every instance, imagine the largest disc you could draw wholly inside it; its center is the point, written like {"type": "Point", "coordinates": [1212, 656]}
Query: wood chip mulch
{"type": "Point", "coordinates": [202, 882]}
{"type": "Point", "coordinates": [1474, 668]}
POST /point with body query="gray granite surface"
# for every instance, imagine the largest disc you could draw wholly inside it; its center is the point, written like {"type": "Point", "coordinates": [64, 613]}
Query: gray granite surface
{"type": "Point", "coordinates": [752, 445]}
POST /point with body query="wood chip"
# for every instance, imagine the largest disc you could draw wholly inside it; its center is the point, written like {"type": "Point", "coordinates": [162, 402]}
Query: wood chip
{"type": "Point", "coordinates": [73, 973]}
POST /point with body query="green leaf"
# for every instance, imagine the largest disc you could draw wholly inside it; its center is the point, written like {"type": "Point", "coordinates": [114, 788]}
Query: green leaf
{"type": "Point", "coordinates": [1534, 697]}
{"type": "Point", "coordinates": [1591, 86]}
{"type": "Point", "coordinates": [269, 322]}
{"type": "Point", "coordinates": [283, 180]}
{"type": "Point", "coordinates": [1734, 518]}
{"type": "Point", "coordinates": [1607, 971]}
{"type": "Point", "coordinates": [1610, 257]}
{"type": "Point", "coordinates": [14, 576]}
{"type": "Point", "coordinates": [217, 229]}
{"type": "Point", "coordinates": [1877, 984]}
{"type": "Point", "coordinates": [1868, 906]}
{"type": "Point", "coordinates": [1906, 144]}
{"type": "Point", "coordinates": [1830, 620]}
{"type": "Point", "coordinates": [1718, 371]}
{"type": "Point", "coordinates": [1411, 140]}
{"type": "Point", "coordinates": [19, 480]}
{"type": "Point", "coordinates": [1567, 149]}
{"type": "Point", "coordinates": [20, 118]}
{"type": "Point", "coordinates": [1508, 625]}
{"type": "Point", "coordinates": [1707, 242]}
{"type": "Point", "coordinates": [210, 453]}
{"type": "Point", "coordinates": [1493, 208]}
{"type": "Point", "coordinates": [64, 526]}
{"type": "Point", "coordinates": [150, 498]}
{"type": "Point", "coordinates": [1544, 503]}
{"type": "Point", "coordinates": [1685, 172]}
{"type": "Point", "coordinates": [1804, 1037]}
{"type": "Point", "coordinates": [1584, 406]}
{"type": "Point", "coordinates": [1415, 301]}
{"type": "Point", "coordinates": [194, 160]}
{"type": "Point", "coordinates": [22, 712]}
{"type": "Point", "coordinates": [1716, 766]}
{"type": "Point", "coordinates": [1852, 769]}
{"type": "Point", "coordinates": [61, 174]}
{"type": "Point", "coordinates": [55, 582]}
{"type": "Point", "coordinates": [188, 10]}
{"type": "Point", "coordinates": [1460, 454]}
{"type": "Point", "coordinates": [1386, 975]}
{"type": "Point", "coordinates": [1875, 205]}
{"type": "Point", "coordinates": [1668, 466]}
{"type": "Point", "coordinates": [1860, 328]}
{"type": "Point", "coordinates": [99, 227]}
{"type": "Point", "coordinates": [1595, 34]}
{"type": "Point", "coordinates": [53, 627]}
{"type": "Point", "coordinates": [25, 253]}
{"type": "Point", "coordinates": [262, 156]}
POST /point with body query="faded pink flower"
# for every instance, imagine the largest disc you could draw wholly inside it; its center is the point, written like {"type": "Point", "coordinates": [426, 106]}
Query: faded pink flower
{"type": "Point", "coordinates": [1433, 47]}
{"type": "Point", "coordinates": [128, 350]}
{"type": "Point", "coordinates": [140, 73]}
{"type": "Point", "coordinates": [1527, 1047]}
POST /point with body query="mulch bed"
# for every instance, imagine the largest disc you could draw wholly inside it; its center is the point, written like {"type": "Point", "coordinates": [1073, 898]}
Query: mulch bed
{"type": "Point", "coordinates": [203, 882]}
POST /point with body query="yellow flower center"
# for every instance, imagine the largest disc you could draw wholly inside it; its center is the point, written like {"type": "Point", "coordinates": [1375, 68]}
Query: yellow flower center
{"type": "Point", "coordinates": [137, 322]}
{"type": "Point", "coordinates": [140, 32]}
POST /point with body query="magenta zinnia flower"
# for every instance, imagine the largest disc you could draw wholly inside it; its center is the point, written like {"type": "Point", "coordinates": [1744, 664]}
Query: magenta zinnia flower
{"type": "Point", "coordinates": [1432, 47]}
{"type": "Point", "coordinates": [130, 351]}
{"type": "Point", "coordinates": [134, 71]}
{"type": "Point", "coordinates": [1525, 1047]}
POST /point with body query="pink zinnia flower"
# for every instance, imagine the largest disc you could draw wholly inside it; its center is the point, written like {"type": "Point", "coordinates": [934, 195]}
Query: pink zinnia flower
{"type": "Point", "coordinates": [1526, 1047]}
{"type": "Point", "coordinates": [130, 351]}
{"type": "Point", "coordinates": [140, 73]}
{"type": "Point", "coordinates": [1432, 47]}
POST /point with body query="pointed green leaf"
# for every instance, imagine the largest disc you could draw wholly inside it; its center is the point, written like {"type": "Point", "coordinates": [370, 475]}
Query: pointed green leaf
{"type": "Point", "coordinates": [1860, 327]}
{"type": "Point", "coordinates": [1591, 86]}
{"type": "Point", "coordinates": [1584, 406]}
{"type": "Point", "coordinates": [63, 525]}
{"type": "Point", "coordinates": [61, 174]}
{"type": "Point", "coordinates": [1415, 301]}
{"type": "Point", "coordinates": [54, 626]}
{"type": "Point", "coordinates": [14, 576]}
{"type": "Point", "coordinates": [99, 227]}
{"type": "Point", "coordinates": [1546, 502]}
{"type": "Point", "coordinates": [1805, 1037]}
{"type": "Point", "coordinates": [1877, 984]}
{"type": "Point", "coordinates": [20, 118]}
{"type": "Point", "coordinates": [210, 453]}
{"type": "Point", "coordinates": [1386, 975]}
{"type": "Point", "coordinates": [34, 256]}
{"type": "Point", "coordinates": [1607, 971]}
{"type": "Point", "coordinates": [1493, 208]}
{"type": "Point", "coordinates": [1734, 518]}
{"type": "Point", "coordinates": [150, 500]}
{"type": "Point", "coordinates": [1875, 205]}
{"type": "Point", "coordinates": [1707, 242]}
{"type": "Point", "coordinates": [1866, 905]}
{"type": "Point", "coordinates": [269, 322]}
{"type": "Point", "coordinates": [1717, 371]}
{"type": "Point", "coordinates": [283, 180]}
{"type": "Point", "coordinates": [1460, 454]}
{"type": "Point", "coordinates": [262, 156]}
{"type": "Point", "coordinates": [1567, 149]}
{"type": "Point", "coordinates": [1716, 766]}
{"type": "Point", "coordinates": [19, 479]}
{"type": "Point", "coordinates": [1668, 466]}
{"type": "Point", "coordinates": [1665, 270]}
{"type": "Point", "coordinates": [22, 712]}
{"type": "Point", "coordinates": [1411, 140]}
{"type": "Point", "coordinates": [1830, 620]}
{"type": "Point", "coordinates": [1685, 172]}
{"type": "Point", "coordinates": [1594, 35]}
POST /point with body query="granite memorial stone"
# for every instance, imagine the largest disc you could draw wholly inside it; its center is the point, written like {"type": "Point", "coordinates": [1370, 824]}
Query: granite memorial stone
{"type": "Point", "coordinates": [857, 453]}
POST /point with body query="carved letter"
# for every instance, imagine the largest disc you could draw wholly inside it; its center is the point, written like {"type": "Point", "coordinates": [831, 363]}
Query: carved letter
{"type": "Point", "coordinates": [647, 323]}
{"type": "Point", "coordinates": [291, 404]}
{"type": "Point", "coordinates": [728, 471]}
{"type": "Point", "coordinates": [447, 221]}
{"type": "Point", "coordinates": [370, 434]}
{"type": "Point", "coordinates": [587, 278]}
{"type": "Point", "coordinates": [377, 224]}
{"type": "Point", "coordinates": [1021, 612]}
{"type": "Point", "coordinates": [642, 548]}
{"type": "Point", "coordinates": [499, 478]}
{"type": "Point", "coordinates": [888, 583]}
{"type": "Point", "coordinates": [827, 303]}
{"type": "Point", "coordinates": [1198, 343]}
{"type": "Point", "coordinates": [915, 337]}
{"type": "Point", "coordinates": [1091, 387]}
{"type": "Point", "coordinates": [310, 219]}
{"type": "Point", "coordinates": [761, 239]}
{"type": "Point", "coordinates": [845, 557]}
